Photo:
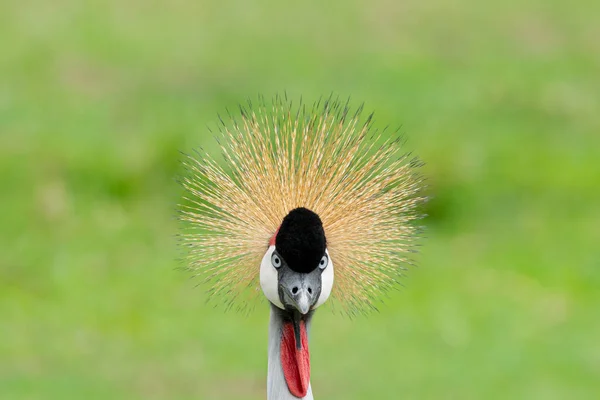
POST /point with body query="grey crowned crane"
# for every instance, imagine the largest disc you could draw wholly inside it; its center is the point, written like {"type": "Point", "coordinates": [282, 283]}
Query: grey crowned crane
{"type": "Point", "coordinates": [299, 190]}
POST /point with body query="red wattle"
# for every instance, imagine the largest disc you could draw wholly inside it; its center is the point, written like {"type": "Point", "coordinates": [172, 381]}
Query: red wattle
{"type": "Point", "coordinates": [295, 362]}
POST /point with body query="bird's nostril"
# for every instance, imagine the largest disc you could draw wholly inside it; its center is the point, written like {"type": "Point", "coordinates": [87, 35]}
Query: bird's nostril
{"type": "Point", "coordinates": [309, 290]}
{"type": "Point", "coordinates": [295, 290]}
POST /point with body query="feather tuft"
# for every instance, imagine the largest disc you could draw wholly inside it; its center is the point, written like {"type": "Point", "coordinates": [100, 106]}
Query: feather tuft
{"type": "Point", "coordinates": [278, 157]}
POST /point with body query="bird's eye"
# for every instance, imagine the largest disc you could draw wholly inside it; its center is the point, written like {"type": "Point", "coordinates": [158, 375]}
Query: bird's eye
{"type": "Point", "coordinates": [324, 261]}
{"type": "Point", "coordinates": [275, 260]}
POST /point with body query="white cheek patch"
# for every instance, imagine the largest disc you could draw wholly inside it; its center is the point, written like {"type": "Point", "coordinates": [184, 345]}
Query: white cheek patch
{"type": "Point", "coordinates": [326, 282]}
{"type": "Point", "coordinates": [269, 280]}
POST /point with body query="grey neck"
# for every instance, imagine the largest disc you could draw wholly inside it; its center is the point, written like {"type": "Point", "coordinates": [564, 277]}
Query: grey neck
{"type": "Point", "coordinates": [276, 386]}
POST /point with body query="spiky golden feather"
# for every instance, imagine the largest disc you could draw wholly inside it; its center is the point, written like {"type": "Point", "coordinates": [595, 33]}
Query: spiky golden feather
{"type": "Point", "coordinates": [277, 157]}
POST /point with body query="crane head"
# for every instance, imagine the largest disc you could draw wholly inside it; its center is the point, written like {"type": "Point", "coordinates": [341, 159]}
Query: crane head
{"type": "Point", "coordinates": [360, 196]}
{"type": "Point", "coordinates": [296, 272]}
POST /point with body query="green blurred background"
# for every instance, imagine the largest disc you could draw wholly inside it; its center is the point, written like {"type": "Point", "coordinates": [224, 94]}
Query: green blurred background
{"type": "Point", "coordinates": [501, 99]}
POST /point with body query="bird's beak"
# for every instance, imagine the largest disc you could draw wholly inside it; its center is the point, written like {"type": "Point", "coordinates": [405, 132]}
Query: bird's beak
{"type": "Point", "coordinates": [301, 300]}
{"type": "Point", "coordinates": [299, 291]}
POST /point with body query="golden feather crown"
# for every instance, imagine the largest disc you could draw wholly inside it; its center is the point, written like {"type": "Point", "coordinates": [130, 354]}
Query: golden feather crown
{"type": "Point", "coordinates": [277, 157]}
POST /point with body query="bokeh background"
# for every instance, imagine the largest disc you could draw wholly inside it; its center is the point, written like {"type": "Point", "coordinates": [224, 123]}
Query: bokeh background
{"type": "Point", "coordinates": [501, 99]}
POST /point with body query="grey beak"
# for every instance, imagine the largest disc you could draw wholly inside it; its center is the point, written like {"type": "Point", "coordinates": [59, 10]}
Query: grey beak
{"type": "Point", "coordinates": [299, 291]}
{"type": "Point", "coordinates": [300, 294]}
{"type": "Point", "coordinates": [303, 300]}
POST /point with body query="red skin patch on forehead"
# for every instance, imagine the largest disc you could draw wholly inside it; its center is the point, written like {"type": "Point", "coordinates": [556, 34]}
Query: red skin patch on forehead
{"type": "Point", "coordinates": [272, 240]}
